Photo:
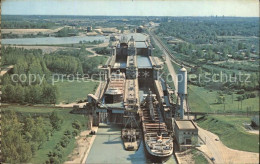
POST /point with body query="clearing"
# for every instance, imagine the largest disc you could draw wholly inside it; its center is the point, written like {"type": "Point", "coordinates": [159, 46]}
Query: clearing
{"type": "Point", "coordinates": [75, 90]}
{"type": "Point", "coordinates": [204, 100]}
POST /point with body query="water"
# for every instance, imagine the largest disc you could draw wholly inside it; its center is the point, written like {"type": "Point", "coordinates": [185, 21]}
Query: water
{"type": "Point", "coordinates": [53, 40]}
{"type": "Point", "coordinates": [108, 148]}
{"type": "Point", "coordinates": [143, 62]}
{"type": "Point", "coordinates": [68, 40]}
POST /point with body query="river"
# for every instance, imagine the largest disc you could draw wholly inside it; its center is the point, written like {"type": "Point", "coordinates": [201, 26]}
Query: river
{"type": "Point", "coordinates": [67, 40]}
{"type": "Point", "coordinates": [53, 40]}
{"type": "Point", "coordinates": [108, 148]}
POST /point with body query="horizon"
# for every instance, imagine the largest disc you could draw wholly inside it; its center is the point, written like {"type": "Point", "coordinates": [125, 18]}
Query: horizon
{"type": "Point", "coordinates": [213, 16]}
{"type": "Point", "coordinates": [186, 8]}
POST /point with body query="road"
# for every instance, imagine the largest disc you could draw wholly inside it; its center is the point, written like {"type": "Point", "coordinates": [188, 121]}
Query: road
{"type": "Point", "coordinates": [222, 153]}
{"type": "Point", "coordinates": [211, 147]}
{"type": "Point", "coordinates": [168, 61]}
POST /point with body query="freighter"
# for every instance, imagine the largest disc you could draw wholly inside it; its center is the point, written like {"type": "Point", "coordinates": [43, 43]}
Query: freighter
{"type": "Point", "coordinates": [158, 141]}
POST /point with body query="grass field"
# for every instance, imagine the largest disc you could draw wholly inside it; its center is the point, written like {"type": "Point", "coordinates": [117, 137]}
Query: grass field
{"type": "Point", "coordinates": [102, 59]}
{"type": "Point", "coordinates": [74, 91]}
{"type": "Point", "coordinates": [41, 154]}
{"type": "Point", "coordinates": [202, 100]}
{"type": "Point", "coordinates": [198, 157]}
{"type": "Point", "coordinates": [231, 132]}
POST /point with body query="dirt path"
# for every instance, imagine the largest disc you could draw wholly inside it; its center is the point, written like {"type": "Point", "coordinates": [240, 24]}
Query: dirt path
{"type": "Point", "coordinates": [223, 154]}
{"type": "Point", "coordinates": [70, 105]}
{"type": "Point", "coordinates": [80, 153]}
{"type": "Point", "coordinates": [95, 46]}
{"type": "Point", "coordinates": [5, 70]}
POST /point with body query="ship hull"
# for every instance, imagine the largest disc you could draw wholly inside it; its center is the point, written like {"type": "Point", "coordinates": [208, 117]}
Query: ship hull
{"type": "Point", "coordinates": [163, 156]}
{"type": "Point", "coordinates": [157, 140]}
{"type": "Point", "coordinates": [131, 146]}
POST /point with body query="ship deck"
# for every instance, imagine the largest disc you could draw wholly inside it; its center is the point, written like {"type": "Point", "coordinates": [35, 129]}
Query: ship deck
{"type": "Point", "coordinates": [150, 127]}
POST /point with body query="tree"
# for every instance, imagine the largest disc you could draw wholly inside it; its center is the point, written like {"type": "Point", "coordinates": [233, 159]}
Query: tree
{"type": "Point", "coordinates": [56, 120]}
{"type": "Point", "coordinates": [49, 93]}
{"type": "Point", "coordinates": [220, 99]}
{"type": "Point", "coordinates": [19, 96]}
{"type": "Point", "coordinates": [8, 93]}
{"type": "Point", "coordinates": [14, 147]}
{"type": "Point", "coordinates": [199, 71]}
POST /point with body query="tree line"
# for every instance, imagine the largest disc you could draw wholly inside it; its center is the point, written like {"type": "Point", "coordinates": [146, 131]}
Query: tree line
{"type": "Point", "coordinates": [202, 30]}
{"type": "Point", "coordinates": [27, 24]}
{"type": "Point", "coordinates": [27, 62]}
{"type": "Point", "coordinates": [23, 136]}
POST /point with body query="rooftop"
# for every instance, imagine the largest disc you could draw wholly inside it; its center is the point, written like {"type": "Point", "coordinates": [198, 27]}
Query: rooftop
{"type": "Point", "coordinates": [185, 125]}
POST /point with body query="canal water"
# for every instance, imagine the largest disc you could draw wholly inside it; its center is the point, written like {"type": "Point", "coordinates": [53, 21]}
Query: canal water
{"type": "Point", "coordinates": [108, 148]}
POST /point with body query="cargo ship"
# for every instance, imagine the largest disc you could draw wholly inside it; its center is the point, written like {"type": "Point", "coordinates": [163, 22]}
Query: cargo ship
{"type": "Point", "coordinates": [158, 141]}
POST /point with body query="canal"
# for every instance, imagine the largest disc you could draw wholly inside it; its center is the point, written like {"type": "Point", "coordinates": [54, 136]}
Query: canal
{"type": "Point", "coordinates": [108, 148]}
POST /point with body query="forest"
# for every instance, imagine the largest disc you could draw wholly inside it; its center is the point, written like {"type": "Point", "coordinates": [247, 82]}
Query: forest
{"type": "Point", "coordinates": [32, 134]}
{"type": "Point", "coordinates": [207, 30]}
{"type": "Point", "coordinates": [215, 45]}
{"type": "Point", "coordinates": [27, 62]}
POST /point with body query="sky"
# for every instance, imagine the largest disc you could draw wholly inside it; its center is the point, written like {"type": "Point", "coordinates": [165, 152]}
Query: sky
{"type": "Point", "coordinates": [238, 8]}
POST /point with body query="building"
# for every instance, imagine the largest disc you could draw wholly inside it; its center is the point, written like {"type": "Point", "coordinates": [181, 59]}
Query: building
{"type": "Point", "coordinates": [139, 29]}
{"type": "Point", "coordinates": [113, 38]}
{"type": "Point", "coordinates": [89, 29]}
{"type": "Point", "coordinates": [186, 133]}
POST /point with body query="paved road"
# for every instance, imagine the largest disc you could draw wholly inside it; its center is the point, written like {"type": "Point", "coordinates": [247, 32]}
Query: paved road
{"type": "Point", "coordinates": [211, 148]}
{"type": "Point", "coordinates": [222, 153]}
{"type": "Point", "coordinates": [168, 63]}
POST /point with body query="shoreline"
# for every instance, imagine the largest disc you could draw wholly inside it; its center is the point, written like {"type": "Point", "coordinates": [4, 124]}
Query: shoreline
{"type": "Point", "coordinates": [81, 151]}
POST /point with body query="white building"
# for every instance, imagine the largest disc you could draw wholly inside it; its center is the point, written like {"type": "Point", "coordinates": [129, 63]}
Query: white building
{"type": "Point", "coordinates": [186, 133]}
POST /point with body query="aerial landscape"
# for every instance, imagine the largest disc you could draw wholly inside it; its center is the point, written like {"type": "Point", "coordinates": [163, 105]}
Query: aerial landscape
{"type": "Point", "coordinates": [129, 82]}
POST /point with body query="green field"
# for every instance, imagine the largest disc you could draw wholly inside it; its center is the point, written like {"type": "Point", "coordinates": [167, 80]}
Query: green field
{"type": "Point", "coordinates": [198, 157]}
{"type": "Point", "coordinates": [41, 154]}
{"type": "Point", "coordinates": [74, 91]}
{"type": "Point", "coordinates": [203, 100]}
{"type": "Point", "coordinates": [102, 59]}
{"type": "Point", "coordinates": [231, 132]}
